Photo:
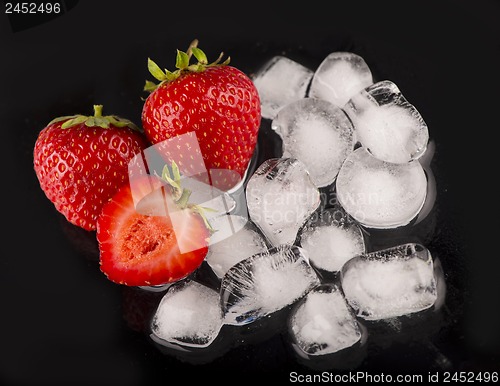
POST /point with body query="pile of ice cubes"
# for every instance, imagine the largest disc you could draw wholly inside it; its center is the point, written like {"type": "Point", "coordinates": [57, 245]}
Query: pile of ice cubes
{"type": "Point", "coordinates": [341, 132]}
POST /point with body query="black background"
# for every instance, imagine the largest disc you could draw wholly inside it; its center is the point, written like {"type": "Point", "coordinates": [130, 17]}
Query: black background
{"type": "Point", "coordinates": [62, 321]}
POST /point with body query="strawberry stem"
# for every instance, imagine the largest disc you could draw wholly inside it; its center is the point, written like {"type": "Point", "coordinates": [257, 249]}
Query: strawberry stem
{"type": "Point", "coordinates": [181, 195]}
{"type": "Point", "coordinates": [183, 200]}
{"type": "Point", "coordinates": [97, 110]}
{"type": "Point", "coordinates": [189, 51]}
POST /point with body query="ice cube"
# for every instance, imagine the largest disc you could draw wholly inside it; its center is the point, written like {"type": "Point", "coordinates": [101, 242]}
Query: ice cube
{"type": "Point", "coordinates": [235, 239]}
{"type": "Point", "coordinates": [340, 76]}
{"type": "Point", "coordinates": [317, 133]}
{"type": "Point", "coordinates": [323, 323]}
{"type": "Point", "coordinates": [265, 283]}
{"type": "Point", "coordinates": [386, 124]}
{"type": "Point", "coordinates": [389, 283]}
{"type": "Point", "coordinates": [189, 314]}
{"type": "Point", "coordinates": [280, 197]}
{"type": "Point", "coordinates": [331, 239]}
{"type": "Point", "coordinates": [280, 81]}
{"type": "Point", "coordinates": [380, 194]}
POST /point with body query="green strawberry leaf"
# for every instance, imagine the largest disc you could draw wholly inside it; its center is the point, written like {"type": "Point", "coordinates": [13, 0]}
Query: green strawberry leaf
{"type": "Point", "coordinates": [199, 55]}
{"type": "Point", "coordinates": [74, 121]}
{"type": "Point", "coordinates": [182, 60]}
{"type": "Point", "coordinates": [60, 119]}
{"type": "Point", "coordinates": [182, 64]}
{"type": "Point", "coordinates": [120, 122]}
{"type": "Point", "coordinates": [151, 86]}
{"type": "Point", "coordinates": [97, 120]}
{"type": "Point", "coordinates": [156, 71]}
{"type": "Point", "coordinates": [172, 75]}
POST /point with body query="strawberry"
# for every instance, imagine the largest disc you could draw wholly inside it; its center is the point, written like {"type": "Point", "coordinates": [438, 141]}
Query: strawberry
{"type": "Point", "coordinates": [81, 161]}
{"type": "Point", "coordinates": [148, 233]}
{"type": "Point", "coordinates": [218, 102]}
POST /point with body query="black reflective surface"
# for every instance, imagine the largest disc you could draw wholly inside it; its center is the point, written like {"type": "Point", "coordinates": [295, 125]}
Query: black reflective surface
{"type": "Point", "coordinates": [63, 322]}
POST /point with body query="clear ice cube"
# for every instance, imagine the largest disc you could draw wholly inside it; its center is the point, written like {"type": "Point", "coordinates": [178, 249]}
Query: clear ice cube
{"type": "Point", "coordinates": [340, 76]}
{"type": "Point", "coordinates": [318, 133]}
{"type": "Point", "coordinates": [323, 323]}
{"type": "Point", "coordinates": [331, 239]}
{"type": "Point", "coordinates": [189, 314]}
{"type": "Point", "coordinates": [280, 81]}
{"type": "Point", "coordinates": [265, 283]}
{"type": "Point", "coordinates": [380, 194]}
{"type": "Point", "coordinates": [386, 124]}
{"type": "Point", "coordinates": [235, 239]}
{"type": "Point", "coordinates": [389, 283]}
{"type": "Point", "coordinates": [280, 197]}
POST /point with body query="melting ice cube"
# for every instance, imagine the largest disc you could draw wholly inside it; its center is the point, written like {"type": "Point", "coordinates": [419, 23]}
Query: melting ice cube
{"type": "Point", "coordinates": [340, 76]}
{"type": "Point", "coordinates": [380, 194]}
{"type": "Point", "coordinates": [322, 322]}
{"type": "Point", "coordinates": [265, 283]}
{"type": "Point", "coordinates": [331, 239]}
{"type": "Point", "coordinates": [189, 314]}
{"type": "Point", "coordinates": [386, 124]}
{"type": "Point", "coordinates": [280, 197]}
{"type": "Point", "coordinates": [390, 282]}
{"type": "Point", "coordinates": [280, 81]}
{"type": "Point", "coordinates": [235, 239]}
{"type": "Point", "coordinates": [318, 133]}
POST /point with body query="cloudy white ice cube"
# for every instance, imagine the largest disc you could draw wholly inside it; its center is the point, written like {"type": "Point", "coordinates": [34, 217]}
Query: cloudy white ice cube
{"type": "Point", "coordinates": [280, 197]}
{"type": "Point", "coordinates": [386, 124]}
{"type": "Point", "coordinates": [380, 194]}
{"type": "Point", "coordinates": [280, 81]}
{"type": "Point", "coordinates": [390, 283]}
{"type": "Point", "coordinates": [265, 283]}
{"type": "Point", "coordinates": [323, 323]}
{"type": "Point", "coordinates": [318, 133]}
{"type": "Point", "coordinates": [189, 314]}
{"type": "Point", "coordinates": [331, 239]}
{"type": "Point", "coordinates": [340, 76]}
{"type": "Point", "coordinates": [235, 239]}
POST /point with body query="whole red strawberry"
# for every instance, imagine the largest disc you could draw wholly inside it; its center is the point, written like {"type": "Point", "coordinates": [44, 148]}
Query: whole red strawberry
{"type": "Point", "coordinates": [81, 162]}
{"type": "Point", "coordinates": [218, 102]}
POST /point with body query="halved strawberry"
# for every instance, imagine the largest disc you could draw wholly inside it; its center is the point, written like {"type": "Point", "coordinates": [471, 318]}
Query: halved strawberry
{"type": "Point", "coordinates": [149, 235]}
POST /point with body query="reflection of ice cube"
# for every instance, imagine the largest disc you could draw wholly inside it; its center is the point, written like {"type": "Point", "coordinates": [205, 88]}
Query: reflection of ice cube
{"type": "Point", "coordinates": [340, 76]}
{"type": "Point", "coordinates": [279, 82]}
{"type": "Point", "coordinates": [234, 240]}
{"type": "Point", "coordinates": [280, 197]}
{"type": "Point", "coordinates": [189, 314]}
{"type": "Point", "coordinates": [380, 194]}
{"type": "Point", "coordinates": [331, 239]}
{"type": "Point", "coordinates": [386, 124]}
{"type": "Point", "coordinates": [391, 282]}
{"type": "Point", "coordinates": [317, 133]}
{"type": "Point", "coordinates": [323, 323]}
{"type": "Point", "coordinates": [265, 283]}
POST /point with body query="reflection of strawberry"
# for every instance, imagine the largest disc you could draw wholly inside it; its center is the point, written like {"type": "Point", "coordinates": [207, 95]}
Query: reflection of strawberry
{"type": "Point", "coordinates": [216, 101]}
{"type": "Point", "coordinates": [139, 306]}
{"type": "Point", "coordinates": [149, 234]}
{"type": "Point", "coordinates": [81, 161]}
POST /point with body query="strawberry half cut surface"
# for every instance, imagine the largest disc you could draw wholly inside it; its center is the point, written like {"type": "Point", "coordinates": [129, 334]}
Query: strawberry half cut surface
{"type": "Point", "coordinates": [151, 240]}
